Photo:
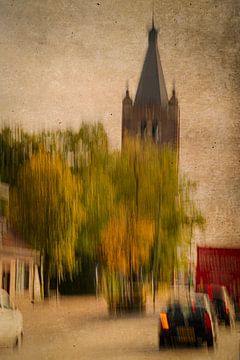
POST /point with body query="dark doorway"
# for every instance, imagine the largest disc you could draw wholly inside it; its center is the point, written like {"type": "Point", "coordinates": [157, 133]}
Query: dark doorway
{"type": "Point", "coordinates": [6, 281]}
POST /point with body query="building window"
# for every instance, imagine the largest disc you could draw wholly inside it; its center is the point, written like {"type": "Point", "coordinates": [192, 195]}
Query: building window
{"type": "Point", "coordinates": [143, 129]}
{"type": "Point", "coordinates": [155, 133]}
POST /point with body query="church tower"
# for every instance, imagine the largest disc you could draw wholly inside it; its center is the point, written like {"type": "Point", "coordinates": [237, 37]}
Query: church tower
{"type": "Point", "coordinates": [152, 115]}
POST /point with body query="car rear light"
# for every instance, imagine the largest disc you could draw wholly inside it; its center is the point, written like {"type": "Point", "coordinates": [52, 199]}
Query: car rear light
{"type": "Point", "coordinates": [193, 307]}
{"type": "Point", "coordinates": [210, 292]}
{"type": "Point", "coordinates": [164, 321]}
{"type": "Point", "coordinates": [226, 308]}
{"type": "Point", "coordinates": [207, 321]}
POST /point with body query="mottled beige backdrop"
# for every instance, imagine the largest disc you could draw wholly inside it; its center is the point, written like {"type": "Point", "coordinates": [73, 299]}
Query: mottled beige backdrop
{"type": "Point", "coordinates": [67, 61]}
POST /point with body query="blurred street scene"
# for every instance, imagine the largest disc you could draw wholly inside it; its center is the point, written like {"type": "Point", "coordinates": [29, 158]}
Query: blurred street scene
{"type": "Point", "coordinates": [80, 328]}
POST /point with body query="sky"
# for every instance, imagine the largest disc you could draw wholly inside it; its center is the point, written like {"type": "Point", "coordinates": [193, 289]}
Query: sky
{"type": "Point", "coordinates": [67, 61]}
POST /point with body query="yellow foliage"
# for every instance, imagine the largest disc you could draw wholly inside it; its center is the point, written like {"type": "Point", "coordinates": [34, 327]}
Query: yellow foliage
{"type": "Point", "coordinates": [46, 208]}
{"type": "Point", "coordinates": [126, 243]}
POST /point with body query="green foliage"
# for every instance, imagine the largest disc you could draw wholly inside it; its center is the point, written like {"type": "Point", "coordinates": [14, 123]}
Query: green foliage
{"type": "Point", "coordinates": [147, 185]}
{"type": "Point", "coordinates": [11, 155]}
{"type": "Point", "coordinates": [137, 207]}
{"type": "Point", "coordinates": [149, 194]}
{"type": "Point", "coordinates": [92, 165]}
{"type": "Point", "coordinates": [45, 208]}
{"type": "Point", "coordinates": [3, 208]}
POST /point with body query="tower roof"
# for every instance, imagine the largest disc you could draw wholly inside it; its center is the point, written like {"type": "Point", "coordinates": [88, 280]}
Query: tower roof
{"type": "Point", "coordinates": [152, 87]}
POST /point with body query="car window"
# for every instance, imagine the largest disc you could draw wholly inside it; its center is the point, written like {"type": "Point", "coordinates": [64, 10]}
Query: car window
{"type": "Point", "coordinates": [200, 301]}
{"type": "Point", "coordinates": [186, 310]}
{"type": "Point", "coordinates": [218, 293]}
{"type": "Point", "coordinates": [179, 311]}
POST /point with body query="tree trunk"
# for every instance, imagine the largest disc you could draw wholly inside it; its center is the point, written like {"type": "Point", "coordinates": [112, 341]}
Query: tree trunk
{"type": "Point", "coordinates": [97, 281]}
{"type": "Point", "coordinates": [46, 276]}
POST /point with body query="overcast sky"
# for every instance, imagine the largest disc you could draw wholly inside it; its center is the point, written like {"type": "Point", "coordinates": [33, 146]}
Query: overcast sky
{"type": "Point", "coordinates": [65, 61]}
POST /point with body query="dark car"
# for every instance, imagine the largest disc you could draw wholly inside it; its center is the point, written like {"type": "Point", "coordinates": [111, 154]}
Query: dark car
{"type": "Point", "coordinates": [202, 300]}
{"type": "Point", "coordinates": [222, 303]}
{"type": "Point", "coordinates": [185, 323]}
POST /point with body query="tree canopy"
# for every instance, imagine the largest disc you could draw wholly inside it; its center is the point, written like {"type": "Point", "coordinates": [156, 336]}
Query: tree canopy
{"type": "Point", "coordinates": [71, 197]}
{"type": "Point", "coordinates": [46, 210]}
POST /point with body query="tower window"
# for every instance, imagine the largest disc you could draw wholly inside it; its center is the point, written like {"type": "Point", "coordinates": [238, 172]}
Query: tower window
{"type": "Point", "coordinates": [143, 129]}
{"type": "Point", "coordinates": [155, 133]}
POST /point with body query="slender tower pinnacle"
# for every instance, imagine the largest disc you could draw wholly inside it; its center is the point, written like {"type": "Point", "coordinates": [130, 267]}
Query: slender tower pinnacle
{"type": "Point", "coordinates": [153, 16]}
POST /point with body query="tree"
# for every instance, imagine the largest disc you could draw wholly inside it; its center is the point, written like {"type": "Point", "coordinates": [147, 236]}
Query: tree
{"type": "Point", "coordinates": [11, 155]}
{"type": "Point", "coordinates": [86, 154]}
{"type": "Point", "coordinates": [126, 244]}
{"type": "Point", "coordinates": [92, 165]}
{"type": "Point", "coordinates": [132, 223]}
{"type": "Point", "coordinates": [46, 210]}
{"type": "Point", "coordinates": [149, 193]}
{"type": "Point", "coordinates": [138, 189]}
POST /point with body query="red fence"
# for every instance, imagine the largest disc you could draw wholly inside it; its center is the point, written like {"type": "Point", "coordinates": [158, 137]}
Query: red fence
{"type": "Point", "coordinates": [221, 267]}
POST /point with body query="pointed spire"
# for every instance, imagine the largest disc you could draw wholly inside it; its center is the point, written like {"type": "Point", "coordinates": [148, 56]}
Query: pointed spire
{"type": "Point", "coordinates": [127, 97]}
{"type": "Point", "coordinates": [127, 90]}
{"type": "Point", "coordinates": [152, 35]}
{"type": "Point", "coordinates": [152, 87]}
{"type": "Point", "coordinates": [174, 88]}
{"type": "Point", "coordinates": [153, 25]}
{"type": "Point", "coordinates": [173, 99]}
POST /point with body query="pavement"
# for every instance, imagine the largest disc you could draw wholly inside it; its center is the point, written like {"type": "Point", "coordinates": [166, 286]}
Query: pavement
{"type": "Point", "coordinates": [81, 328]}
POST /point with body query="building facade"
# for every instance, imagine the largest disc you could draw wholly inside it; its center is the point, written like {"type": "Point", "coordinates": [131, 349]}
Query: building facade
{"type": "Point", "coordinates": [19, 263]}
{"type": "Point", "coordinates": [19, 266]}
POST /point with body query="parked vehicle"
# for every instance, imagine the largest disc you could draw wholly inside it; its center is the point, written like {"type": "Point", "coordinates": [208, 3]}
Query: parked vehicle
{"type": "Point", "coordinates": [186, 323]}
{"type": "Point", "coordinates": [202, 300]}
{"type": "Point", "coordinates": [219, 266]}
{"type": "Point", "coordinates": [11, 322]}
{"type": "Point", "coordinates": [222, 303]}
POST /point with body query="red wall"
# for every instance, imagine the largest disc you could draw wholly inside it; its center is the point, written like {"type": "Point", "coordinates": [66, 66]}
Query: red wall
{"type": "Point", "coordinates": [220, 266]}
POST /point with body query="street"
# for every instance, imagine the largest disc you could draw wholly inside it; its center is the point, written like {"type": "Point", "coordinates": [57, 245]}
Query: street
{"type": "Point", "coordinates": [80, 328]}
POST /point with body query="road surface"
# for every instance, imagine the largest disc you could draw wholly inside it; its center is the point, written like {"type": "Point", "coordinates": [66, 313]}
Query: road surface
{"type": "Point", "coordinates": [80, 328]}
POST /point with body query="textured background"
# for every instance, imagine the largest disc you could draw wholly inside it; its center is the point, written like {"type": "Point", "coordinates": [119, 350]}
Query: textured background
{"type": "Point", "coordinates": [65, 61]}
